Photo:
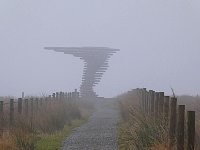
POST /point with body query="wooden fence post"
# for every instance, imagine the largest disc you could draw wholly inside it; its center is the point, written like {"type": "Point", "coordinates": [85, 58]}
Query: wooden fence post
{"type": "Point", "coordinates": [1, 107]}
{"type": "Point", "coordinates": [65, 95]}
{"type": "Point", "coordinates": [1, 119]}
{"type": "Point", "coordinates": [41, 102]}
{"type": "Point", "coordinates": [143, 99]}
{"type": "Point", "coordinates": [173, 117]}
{"type": "Point", "coordinates": [73, 95]}
{"type": "Point", "coordinates": [54, 96]}
{"type": "Point", "coordinates": [60, 96]}
{"type": "Point", "coordinates": [57, 95]}
{"type": "Point", "coordinates": [70, 95]}
{"type": "Point", "coordinates": [11, 112]}
{"type": "Point", "coordinates": [75, 91]}
{"type": "Point", "coordinates": [139, 95]}
{"type": "Point", "coordinates": [46, 102]}
{"type": "Point", "coordinates": [180, 127]}
{"type": "Point", "coordinates": [166, 110]}
{"type": "Point", "coordinates": [152, 94]}
{"type": "Point", "coordinates": [161, 103]}
{"type": "Point", "coordinates": [146, 102]}
{"type": "Point", "coordinates": [149, 103]}
{"type": "Point", "coordinates": [156, 104]}
{"type": "Point", "coordinates": [64, 98]}
{"type": "Point", "coordinates": [23, 95]}
{"type": "Point", "coordinates": [49, 100]}
{"type": "Point", "coordinates": [37, 104]}
{"type": "Point", "coordinates": [31, 106]}
{"type": "Point", "coordinates": [26, 106]}
{"type": "Point", "coordinates": [20, 105]}
{"type": "Point", "coordinates": [191, 130]}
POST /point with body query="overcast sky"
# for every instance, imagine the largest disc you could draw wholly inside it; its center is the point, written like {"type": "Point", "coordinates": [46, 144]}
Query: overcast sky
{"type": "Point", "coordinates": [159, 42]}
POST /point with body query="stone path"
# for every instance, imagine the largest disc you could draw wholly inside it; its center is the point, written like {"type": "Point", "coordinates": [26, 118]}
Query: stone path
{"type": "Point", "coordinates": [99, 133]}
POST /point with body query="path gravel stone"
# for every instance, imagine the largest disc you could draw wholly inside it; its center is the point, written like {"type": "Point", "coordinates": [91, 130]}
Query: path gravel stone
{"type": "Point", "coordinates": [99, 133]}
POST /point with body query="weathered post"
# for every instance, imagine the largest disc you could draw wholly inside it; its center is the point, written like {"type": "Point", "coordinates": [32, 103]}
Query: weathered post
{"type": "Point", "coordinates": [191, 130]}
{"type": "Point", "coordinates": [49, 102]}
{"type": "Point", "coordinates": [73, 95]}
{"type": "Point", "coordinates": [23, 95]}
{"type": "Point", "coordinates": [20, 105]}
{"type": "Point", "coordinates": [161, 103]}
{"type": "Point", "coordinates": [60, 96]}
{"type": "Point", "coordinates": [149, 103]}
{"type": "Point", "coordinates": [41, 102]}
{"type": "Point", "coordinates": [145, 102]}
{"type": "Point", "coordinates": [32, 109]}
{"type": "Point", "coordinates": [180, 127]}
{"type": "Point", "coordinates": [173, 117]}
{"type": "Point", "coordinates": [76, 94]}
{"type": "Point", "coordinates": [57, 96]}
{"type": "Point", "coordinates": [143, 99]}
{"type": "Point", "coordinates": [54, 96]}
{"type": "Point", "coordinates": [166, 110]}
{"type": "Point", "coordinates": [11, 112]}
{"type": "Point", "coordinates": [70, 95]}
{"type": "Point", "coordinates": [37, 104]}
{"type": "Point", "coordinates": [65, 95]}
{"type": "Point", "coordinates": [1, 119]}
{"type": "Point", "coordinates": [26, 106]}
{"type": "Point", "coordinates": [152, 94]}
{"type": "Point", "coordinates": [46, 101]}
{"type": "Point", "coordinates": [139, 98]}
{"type": "Point", "coordinates": [156, 104]}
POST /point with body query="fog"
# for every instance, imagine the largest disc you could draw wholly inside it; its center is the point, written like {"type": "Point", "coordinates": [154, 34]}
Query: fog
{"type": "Point", "coordinates": [158, 41]}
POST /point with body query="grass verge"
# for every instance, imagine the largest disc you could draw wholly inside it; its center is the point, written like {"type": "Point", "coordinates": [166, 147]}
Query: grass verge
{"type": "Point", "coordinates": [54, 141]}
{"type": "Point", "coordinates": [144, 132]}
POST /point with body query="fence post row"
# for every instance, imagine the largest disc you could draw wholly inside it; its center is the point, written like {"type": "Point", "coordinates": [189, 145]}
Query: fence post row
{"type": "Point", "coordinates": [29, 106]}
{"type": "Point", "coordinates": [152, 103]}
{"type": "Point", "coordinates": [159, 105]}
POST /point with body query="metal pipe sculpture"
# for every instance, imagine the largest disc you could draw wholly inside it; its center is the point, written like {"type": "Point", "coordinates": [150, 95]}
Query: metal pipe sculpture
{"type": "Point", "coordinates": [95, 64]}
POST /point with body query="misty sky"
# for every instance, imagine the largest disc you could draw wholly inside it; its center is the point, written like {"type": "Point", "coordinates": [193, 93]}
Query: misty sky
{"type": "Point", "coordinates": [159, 42]}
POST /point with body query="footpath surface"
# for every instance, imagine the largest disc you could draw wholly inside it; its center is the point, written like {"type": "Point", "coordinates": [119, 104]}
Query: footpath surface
{"type": "Point", "coordinates": [100, 132]}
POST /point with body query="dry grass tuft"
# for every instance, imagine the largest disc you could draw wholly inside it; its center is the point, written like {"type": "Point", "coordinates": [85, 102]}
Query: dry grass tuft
{"type": "Point", "coordinates": [49, 118]}
{"type": "Point", "coordinates": [142, 132]}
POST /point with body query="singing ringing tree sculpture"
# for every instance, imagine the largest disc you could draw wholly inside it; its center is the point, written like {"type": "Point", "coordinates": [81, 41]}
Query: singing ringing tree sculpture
{"type": "Point", "coordinates": [95, 64]}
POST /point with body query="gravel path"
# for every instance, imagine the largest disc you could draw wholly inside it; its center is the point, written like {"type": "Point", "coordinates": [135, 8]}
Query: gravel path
{"type": "Point", "coordinates": [99, 133]}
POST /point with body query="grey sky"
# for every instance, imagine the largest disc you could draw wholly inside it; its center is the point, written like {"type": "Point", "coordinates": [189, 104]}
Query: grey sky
{"type": "Point", "coordinates": [159, 42]}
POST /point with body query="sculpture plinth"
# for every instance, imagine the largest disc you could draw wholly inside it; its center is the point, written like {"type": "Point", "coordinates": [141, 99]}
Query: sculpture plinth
{"type": "Point", "coordinates": [95, 64]}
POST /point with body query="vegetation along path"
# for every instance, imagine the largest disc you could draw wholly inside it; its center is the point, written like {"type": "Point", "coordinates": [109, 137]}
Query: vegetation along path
{"type": "Point", "coordinates": [100, 132]}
